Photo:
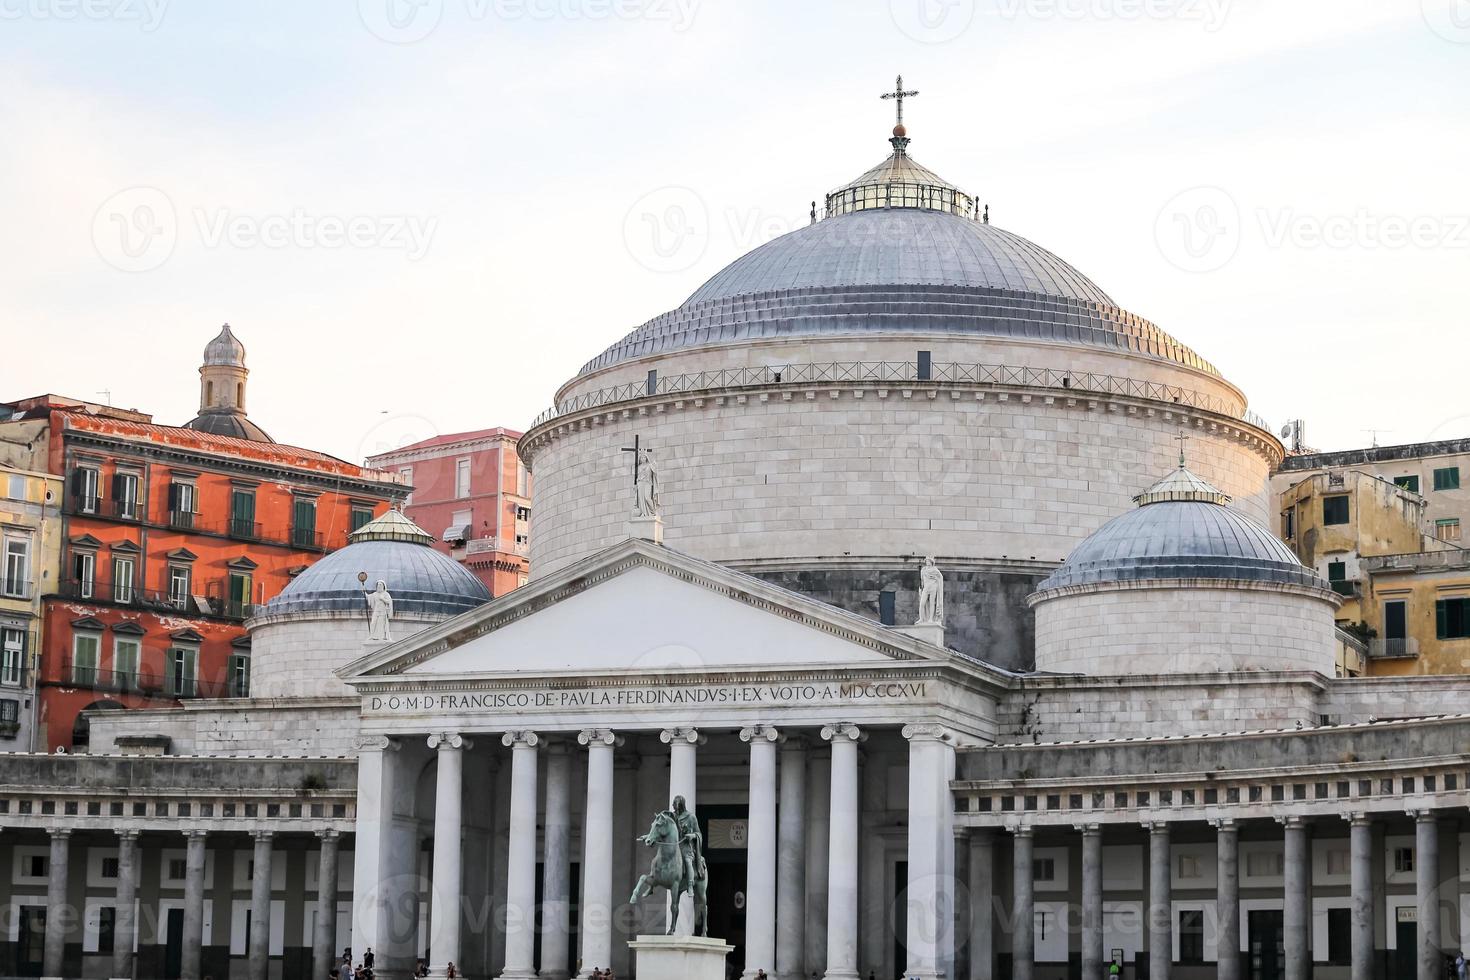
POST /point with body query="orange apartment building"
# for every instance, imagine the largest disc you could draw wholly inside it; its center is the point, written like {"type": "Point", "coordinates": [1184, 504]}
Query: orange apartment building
{"type": "Point", "coordinates": [171, 536]}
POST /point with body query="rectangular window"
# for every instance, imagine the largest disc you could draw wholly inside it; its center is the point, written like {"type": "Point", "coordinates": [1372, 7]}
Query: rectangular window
{"type": "Point", "coordinates": [462, 478]}
{"type": "Point", "coordinates": [1335, 510]}
{"type": "Point", "coordinates": [1452, 619]}
{"type": "Point", "coordinates": [926, 365]}
{"type": "Point", "coordinates": [125, 495]}
{"type": "Point", "coordinates": [360, 516]}
{"type": "Point", "coordinates": [1447, 529]}
{"type": "Point", "coordinates": [1339, 937]}
{"type": "Point", "coordinates": [1288, 524]}
{"type": "Point", "coordinates": [1447, 478]}
{"type": "Point", "coordinates": [887, 614]}
{"type": "Point", "coordinates": [84, 492]}
{"type": "Point", "coordinates": [242, 513]}
{"type": "Point", "coordinates": [1268, 864]}
{"type": "Point", "coordinates": [179, 578]}
{"type": "Point", "coordinates": [16, 487]}
{"type": "Point", "coordinates": [125, 656]}
{"type": "Point", "coordinates": [1403, 859]}
{"type": "Point", "coordinates": [12, 656]}
{"type": "Point", "coordinates": [237, 604]}
{"type": "Point", "coordinates": [84, 573]}
{"type": "Point", "coordinates": [1396, 620]}
{"type": "Point", "coordinates": [1336, 571]}
{"type": "Point", "coordinates": [303, 522]}
{"type": "Point", "coordinates": [1189, 866]}
{"type": "Point", "coordinates": [1409, 483]}
{"type": "Point", "coordinates": [239, 676]}
{"type": "Point", "coordinates": [183, 499]}
{"type": "Point", "coordinates": [106, 928]}
{"type": "Point", "coordinates": [122, 580]}
{"type": "Point", "coordinates": [183, 666]}
{"type": "Point", "coordinates": [1191, 936]}
{"type": "Point", "coordinates": [178, 869]}
{"type": "Point", "coordinates": [9, 717]}
{"type": "Point", "coordinates": [1044, 869]}
{"type": "Point", "coordinates": [17, 567]}
{"type": "Point", "coordinates": [109, 867]}
{"type": "Point", "coordinates": [1338, 862]}
{"type": "Point", "coordinates": [37, 866]}
{"type": "Point", "coordinates": [84, 648]}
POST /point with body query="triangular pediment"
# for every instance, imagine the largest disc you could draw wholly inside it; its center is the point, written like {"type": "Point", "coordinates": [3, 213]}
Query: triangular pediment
{"type": "Point", "coordinates": [641, 607]}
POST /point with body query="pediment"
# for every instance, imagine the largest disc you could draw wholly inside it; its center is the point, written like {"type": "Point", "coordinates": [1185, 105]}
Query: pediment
{"type": "Point", "coordinates": [640, 607]}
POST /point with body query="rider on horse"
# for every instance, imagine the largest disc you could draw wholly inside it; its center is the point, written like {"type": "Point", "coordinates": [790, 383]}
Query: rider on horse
{"type": "Point", "coordinates": [691, 840]}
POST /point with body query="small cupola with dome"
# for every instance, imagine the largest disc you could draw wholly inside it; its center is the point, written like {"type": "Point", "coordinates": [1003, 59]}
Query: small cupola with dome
{"type": "Point", "coordinates": [222, 379]}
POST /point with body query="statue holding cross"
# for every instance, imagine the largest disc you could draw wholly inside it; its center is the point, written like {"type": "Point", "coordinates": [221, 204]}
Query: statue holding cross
{"type": "Point", "coordinates": [645, 480]}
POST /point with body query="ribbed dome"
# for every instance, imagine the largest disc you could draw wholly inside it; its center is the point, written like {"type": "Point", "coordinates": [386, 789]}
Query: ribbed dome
{"type": "Point", "coordinates": [420, 579]}
{"type": "Point", "coordinates": [225, 349]}
{"type": "Point", "coordinates": [228, 423]}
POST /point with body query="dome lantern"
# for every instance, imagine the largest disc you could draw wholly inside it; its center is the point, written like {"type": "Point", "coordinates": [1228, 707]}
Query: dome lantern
{"type": "Point", "coordinates": [222, 379]}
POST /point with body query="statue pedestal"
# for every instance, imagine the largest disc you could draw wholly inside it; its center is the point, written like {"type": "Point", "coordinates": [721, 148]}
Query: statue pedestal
{"type": "Point", "coordinates": [646, 528]}
{"type": "Point", "coordinates": [928, 632]}
{"type": "Point", "coordinates": [680, 957]}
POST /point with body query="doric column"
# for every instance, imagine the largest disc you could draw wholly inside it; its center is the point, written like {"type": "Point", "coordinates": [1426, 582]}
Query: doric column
{"type": "Point", "coordinates": [260, 906]}
{"type": "Point", "coordinates": [56, 920]}
{"type": "Point", "coordinates": [597, 849]}
{"type": "Point", "coordinates": [818, 851]}
{"type": "Point", "coordinates": [683, 746]}
{"type": "Point", "coordinates": [928, 910]}
{"type": "Point", "coordinates": [1023, 937]}
{"type": "Point", "coordinates": [1361, 858]}
{"type": "Point", "coordinates": [323, 941]}
{"type": "Point", "coordinates": [1092, 892]}
{"type": "Point", "coordinates": [1426, 878]}
{"type": "Point", "coordinates": [791, 866]}
{"type": "Point", "coordinates": [446, 885]}
{"type": "Point", "coordinates": [1297, 899]}
{"type": "Point", "coordinates": [556, 864]}
{"type": "Point", "coordinates": [520, 890]}
{"type": "Point", "coordinates": [374, 877]}
{"type": "Point", "coordinates": [842, 856]}
{"type": "Point", "coordinates": [982, 905]}
{"type": "Point", "coordinates": [760, 871]}
{"type": "Point", "coordinates": [125, 923]}
{"type": "Point", "coordinates": [1227, 899]}
{"type": "Point", "coordinates": [1160, 908]}
{"type": "Point", "coordinates": [193, 940]}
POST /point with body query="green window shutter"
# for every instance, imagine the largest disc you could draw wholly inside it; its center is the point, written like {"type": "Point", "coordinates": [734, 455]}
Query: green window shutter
{"type": "Point", "coordinates": [305, 515]}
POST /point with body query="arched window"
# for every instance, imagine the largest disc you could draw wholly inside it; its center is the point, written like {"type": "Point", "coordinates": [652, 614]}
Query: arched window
{"type": "Point", "coordinates": [209, 393]}
{"type": "Point", "coordinates": [240, 395]}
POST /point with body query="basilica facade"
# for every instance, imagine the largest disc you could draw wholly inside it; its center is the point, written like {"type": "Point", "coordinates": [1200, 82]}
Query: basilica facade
{"type": "Point", "coordinates": [1114, 735]}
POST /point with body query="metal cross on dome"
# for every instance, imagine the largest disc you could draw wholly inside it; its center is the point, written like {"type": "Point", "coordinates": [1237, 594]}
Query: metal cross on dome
{"type": "Point", "coordinates": [1182, 439]}
{"type": "Point", "coordinates": [899, 94]}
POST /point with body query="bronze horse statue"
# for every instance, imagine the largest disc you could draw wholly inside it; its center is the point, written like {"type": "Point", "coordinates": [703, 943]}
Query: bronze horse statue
{"type": "Point", "coordinates": [667, 871]}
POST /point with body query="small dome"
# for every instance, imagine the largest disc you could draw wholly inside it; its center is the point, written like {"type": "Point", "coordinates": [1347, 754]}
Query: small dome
{"type": "Point", "coordinates": [394, 550]}
{"type": "Point", "coordinates": [225, 423]}
{"type": "Point", "coordinates": [1181, 530]}
{"type": "Point", "coordinates": [225, 349]}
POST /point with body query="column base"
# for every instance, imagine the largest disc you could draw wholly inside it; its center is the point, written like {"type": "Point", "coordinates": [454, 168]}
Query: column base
{"type": "Point", "coordinates": [518, 975]}
{"type": "Point", "coordinates": [841, 975]}
{"type": "Point", "coordinates": [680, 957]}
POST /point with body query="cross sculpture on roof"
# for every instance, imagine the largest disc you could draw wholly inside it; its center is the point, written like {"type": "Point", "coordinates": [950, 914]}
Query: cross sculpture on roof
{"type": "Point", "coordinates": [899, 94]}
{"type": "Point", "coordinates": [1181, 438]}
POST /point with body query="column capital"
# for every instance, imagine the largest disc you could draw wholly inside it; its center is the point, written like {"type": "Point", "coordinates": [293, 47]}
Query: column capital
{"type": "Point", "coordinates": [327, 835]}
{"type": "Point", "coordinates": [127, 835]}
{"type": "Point", "coordinates": [1423, 815]}
{"type": "Point", "coordinates": [444, 741]}
{"type": "Point", "coordinates": [1224, 825]}
{"type": "Point", "coordinates": [194, 833]}
{"type": "Point", "coordinates": [760, 733]}
{"type": "Point", "coordinates": [1088, 829]}
{"type": "Point", "coordinates": [520, 740]}
{"type": "Point", "coordinates": [843, 730]}
{"type": "Point", "coordinates": [263, 835]}
{"type": "Point", "coordinates": [375, 743]}
{"type": "Point", "coordinates": [59, 833]}
{"type": "Point", "coordinates": [1019, 829]}
{"type": "Point", "coordinates": [1358, 818]}
{"type": "Point", "coordinates": [1157, 828]}
{"type": "Point", "coordinates": [927, 733]}
{"type": "Point", "coordinates": [1292, 821]}
{"type": "Point", "coordinates": [599, 736]}
{"type": "Point", "coordinates": [691, 736]}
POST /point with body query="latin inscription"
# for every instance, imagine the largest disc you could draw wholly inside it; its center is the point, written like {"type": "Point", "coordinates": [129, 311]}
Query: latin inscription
{"type": "Point", "coordinates": [695, 696]}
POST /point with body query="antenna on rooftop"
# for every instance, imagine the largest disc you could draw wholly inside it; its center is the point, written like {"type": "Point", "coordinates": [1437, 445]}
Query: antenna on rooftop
{"type": "Point", "coordinates": [1294, 434]}
{"type": "Point", "coordinates": [1373, 435]}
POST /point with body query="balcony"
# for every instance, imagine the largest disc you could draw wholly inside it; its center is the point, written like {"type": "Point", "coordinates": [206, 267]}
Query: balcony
{"type": "Point", "coordinates": [124, 510]}
{"type": "Point", "coordinates": [307, 538]}
{"type": "Point", "coordinates": [182, 520]}
{"type": "Point", "coordinates": [1347, 588]}
{"type": "Point", "coordinates": [237, 609]}
{"type": "Point", "coordinates": [243, 530]}
{"type": "Point", "coordinates": [144, 682]}
{"type": "Point", "coordinates": [99, 590]}
{"type": "Point", "coordinates": [1405, 648]}
{"type": "Point", "coordinates": [15, 588]}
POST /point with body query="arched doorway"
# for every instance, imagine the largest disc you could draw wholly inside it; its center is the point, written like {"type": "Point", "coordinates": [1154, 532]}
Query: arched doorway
{"type": "Point", "coordinates": [81, 731]}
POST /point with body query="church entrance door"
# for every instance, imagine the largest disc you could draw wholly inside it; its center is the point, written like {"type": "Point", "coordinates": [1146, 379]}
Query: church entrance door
{"type": "Point", "coordinates": [1267, 944]}
{"type": "Point", "coordinates": [726, 853]}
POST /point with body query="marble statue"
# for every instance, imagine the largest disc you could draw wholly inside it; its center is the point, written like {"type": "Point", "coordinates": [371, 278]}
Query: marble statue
{"type": "Point", "coordinates": [931, 595]}
{"type": "Point", "coordinates": [380, 612]}
{"type": "Point", "coordinates": [678, 864]}
{"type": "Point", "coordinates": [646, 502]}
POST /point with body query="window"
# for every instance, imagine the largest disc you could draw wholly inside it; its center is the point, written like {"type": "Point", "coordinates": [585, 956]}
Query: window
{"type": "Point", "coordinates": [1447, 478]}
{"type": "Point", "coordinates": [37, 866]}
{"type": "Point", "coordinates": [1335, 510]}
{"type": "Point", "coordinates": [183, 666]}
{"type": "Point", "coordinates": [462, 478]}
{"type": "Point", "coordinates": [84, 489]}
{"type": "Point", "coordinates": [178, 869]}
{"type": "Point", "coordinates": [122, 580]}
{"type": "Point", "coordinates": [84, 572]}
{"type": "Point", "coordinates": [84, 658]}
{"type": "Point", "coordinates": [242, 513]}
{"type": "Point", "coordinates": [1409, 483]}
{"type": "Point", "coordinates": [1191, 936]}
{"type": "Point", "coordinates": [1447, 529]}
{"type": "Point", "coordinates": [303, 522]}
{"type": "Point", "coordinates": [887, 614]}
{"type": "Point", "coordinates": [16, 487]}
{"type": "Point", "coordinates": [183, 501]}
{"type": "Point", "coordinates": [1268, 864]}
{"type": "Point", "coordinates": [239, 676]}
{"type": "Point", "coordinates": [179, 585]}
{"type": "Point", "coordinates": [125, 495]}
{"type": "Point", "coordinates": [1396, 620]}
{"type": "Point", "coordinates": [9, 717]}
{"type": "Point", "coordinates": [1044, 869]}
{"type": "Point", "coordinates": [109, 867]}
{"type": "Point", "coordinates": [125, 655]}
{"type": "Point", "coordinates": [17, 566]}
{"type": "Point", "coordinates": [523, 513]}
{"type": "Point", "coordinates": [238, 602]}
{"type": "Point", "coordinates": [12, 656]}
{"type": "Point", "coordinates": [1288, 524]}
{"type": "Point", "coordinates": [1337, 862]}
{"type": "Point", "coordinates": [360, 516]}
{"type": "Point", "coordinates": [1403, 859]}
{"type": "Point", "coordinates": [1452, 619]}
{"type": "Point", "coordinates": [1189, 866]}
{"type": "Point", "coordinates": [106, 928]}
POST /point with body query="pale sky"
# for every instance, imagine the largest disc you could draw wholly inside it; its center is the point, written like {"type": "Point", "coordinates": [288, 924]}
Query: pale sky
{"type": "Point", "coordinates": [422, 216]}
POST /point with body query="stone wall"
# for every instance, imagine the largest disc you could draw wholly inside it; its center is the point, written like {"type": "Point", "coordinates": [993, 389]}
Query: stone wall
{"type": "Point", "coordinates": [1363, 698]}
{"type": "Point", "coordinates": [1185, 627]}
{"type": "Point", "coordinates": [286, 727]}
{"type": "Point", "coordinates": [295, 655]}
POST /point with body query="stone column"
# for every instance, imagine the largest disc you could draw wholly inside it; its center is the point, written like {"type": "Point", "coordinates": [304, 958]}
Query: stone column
{"type": "Point", "coordinates": [56, 908]}
{"type": "Point", "coordinates": [1092, 893]}
{"type": "Point", "coordinates": [926, 907]}
{"type": "Point", "coordinates": [791, 864]}
{"type": "Point", "coordinates": [1297, 904]}
{"type": "Point", "coordinates": [260, 907]}
{"type": "Point", "coordinates": [818, 851]}
{"type": "Point", "coordinates": [1227, 899]}
{"type": "Point", "coordinates": [556, 863]}
{"type": "Point", "coordinates": [1023, 909]}
{"type": "Point", "coordinates": [375, 885]}
{"type": "Point", "coordinates": [520, 889]}
{"type": "Point", "coordinates": [683, 746]}
{"type": "Point", "coordinates": [982, 905]}
{"type": "Point", "coordinates": [125, 925]}
{"type": "Point", "coordinates": [760, 870]}
{"type": "Point", "coordinates": [193, 940]}
{"type": "Point", "coordinates": [1160, 908]}
{"type": "Point", "coordinates": [597, 850]}
{"type": "Point", "coordinates": [324, 940]}
{"type": "Point", "coordinates": [446, 886]}
{"type": "Point", "coordinates": [1361, 842]}
{"type": "Point", "coordinates": [1426, 877]}
{"type": "Point", "coordinates": [842, 855]}
{"type": "Point", "coordinates": [960, 926]}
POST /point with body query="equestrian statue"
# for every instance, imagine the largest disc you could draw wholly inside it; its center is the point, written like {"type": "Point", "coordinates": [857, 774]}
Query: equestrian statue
{"type": "Point", "coordinates": [678, 864]}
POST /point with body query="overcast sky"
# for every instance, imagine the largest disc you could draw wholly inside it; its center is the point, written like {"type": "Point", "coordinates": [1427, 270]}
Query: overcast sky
{"type": "Point", "coordinates": [422, 216]}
